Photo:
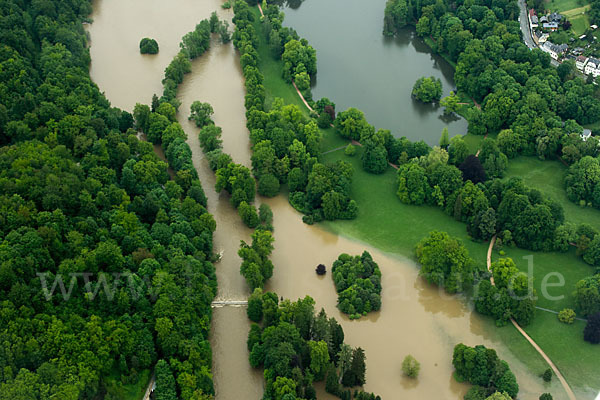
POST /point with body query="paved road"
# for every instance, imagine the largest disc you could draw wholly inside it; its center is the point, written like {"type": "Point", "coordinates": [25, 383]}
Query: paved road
{"type": "Point", "coordinates": [524, 20]}
{"type": "Point", "coordinates": [527, 38]}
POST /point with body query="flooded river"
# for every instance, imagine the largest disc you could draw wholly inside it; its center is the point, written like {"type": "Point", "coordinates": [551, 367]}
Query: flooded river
{"type": "Point", "coordinates": [415, 318]}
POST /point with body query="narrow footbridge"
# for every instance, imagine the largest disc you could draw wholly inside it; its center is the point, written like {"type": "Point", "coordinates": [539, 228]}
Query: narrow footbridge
{"type": "Point", "coordinates": [223, 303]}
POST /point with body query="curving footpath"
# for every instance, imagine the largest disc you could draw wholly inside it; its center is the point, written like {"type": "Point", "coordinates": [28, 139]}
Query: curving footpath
{"type": "Point", "coordinates": [560, 377]}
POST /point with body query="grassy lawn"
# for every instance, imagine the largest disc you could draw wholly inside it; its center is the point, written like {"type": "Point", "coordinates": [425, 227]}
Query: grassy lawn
{"type": "Point", "coordinates": [473, 142]}
{"type": "Point", "coordinates": [575, 358]}
{"type": "Point", "coordinates": [392, 226]}
{"type": "Point", "coordinates": [548, 178]}
{"type": "Point", "coordinates": [564, 5]}
{"type": "Point", "coordinates": [594, 126]}
{"type": "Point", "coordinates": [134, 391]}
{"type": "Point", "coordinates": [579, 24]}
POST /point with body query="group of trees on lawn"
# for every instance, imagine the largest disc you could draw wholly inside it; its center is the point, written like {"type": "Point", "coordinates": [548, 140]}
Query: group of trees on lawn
{"type": "Point", "coordinates": [284, 142]}
{"type": "Point", "coordinates": [587, 300]}
{"type": "Point", "coordinates": [519, 214]}
{"type": "Point", "coordinates": [358, 283]}
{"type": "Point", "coordinates": [445, 262]}
{"type": "Point", "coordinates": [81, 194]}
{"type": "Point", "coordinates": [583, 182]}
{"type": "Point", "coordinates": [380, 147]}
{"type": "Point", "coordinates": [511, 296]}
{"type": "Point", "coordinates": [482, 368]}
{"type": "Point", "coordinates": [298, 347]}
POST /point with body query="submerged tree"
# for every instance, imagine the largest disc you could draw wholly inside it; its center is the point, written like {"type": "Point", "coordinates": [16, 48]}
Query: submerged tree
{"type": "Point", "coordinates": [148, 46]}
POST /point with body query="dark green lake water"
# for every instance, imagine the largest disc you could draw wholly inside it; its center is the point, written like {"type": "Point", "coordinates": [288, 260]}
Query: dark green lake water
{"type": "Point", "coordinates": [359, 67]}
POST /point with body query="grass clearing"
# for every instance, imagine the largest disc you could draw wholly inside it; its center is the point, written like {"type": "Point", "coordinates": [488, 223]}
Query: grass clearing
{"type": "Point", "coordinates": [579, 24]}
{"type": "Point", "coordinates": [564, 5]}
{"type": "Point", "coordinates": [576, 11]}
{"type": "Point", "coordinates": [575, 358]}
{"type": "Point", "coordinates": [548, 177]}
{"type": "Point", "coordinates": [134, 391]}
{"type": "Point", "coordinates": [392, 226]}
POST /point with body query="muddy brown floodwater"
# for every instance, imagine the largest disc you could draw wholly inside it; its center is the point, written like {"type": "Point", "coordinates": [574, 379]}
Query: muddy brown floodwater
{"type": "Point", "coordinates": [415, 318]}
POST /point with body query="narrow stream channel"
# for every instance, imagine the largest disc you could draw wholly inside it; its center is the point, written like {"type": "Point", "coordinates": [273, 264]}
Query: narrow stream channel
{"type": "Point", "coordinates": [415, 317]}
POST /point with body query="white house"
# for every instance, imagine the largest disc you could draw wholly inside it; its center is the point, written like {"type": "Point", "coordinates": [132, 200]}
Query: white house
{"type": "Point", "coordinates": [555, 50]}
{"type": "Point", "coordinates": [586, 134]}
{"type": "Point", "coordinates": [539, 37]}
{"type": "Point", "coordinates": [592, 67]}
{"type": "Point", "coordinates": [580, 62]}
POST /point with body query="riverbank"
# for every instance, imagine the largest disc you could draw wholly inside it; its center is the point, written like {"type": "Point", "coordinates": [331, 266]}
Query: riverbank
{"type": "Point", "coordinates": [395, 227]}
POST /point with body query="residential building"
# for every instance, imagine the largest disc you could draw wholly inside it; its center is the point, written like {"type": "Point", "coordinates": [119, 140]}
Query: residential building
{"type": "Point", "coordinates": [586, 134]}
{"type": "Point", "coordinates": [555, 50]}
{"type": "Point", "coordinates": [555, 17]}
{"type": "Point", "coordinates": [540, 37]}
{"type": "Point", "coordinates": [592, 67]}
{"type": "Point", "coordinates": [580, 62]}
{"type": "Point", "coordinates": [533, 19]}
{"type": "Point", "coordinates": [550, 26]}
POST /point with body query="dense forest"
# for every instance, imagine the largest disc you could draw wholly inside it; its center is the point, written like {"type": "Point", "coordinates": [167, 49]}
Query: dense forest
{"type": "Point", "coordinates": [105, 262]}
{"type": "Point", "coordinates": [297, 346]}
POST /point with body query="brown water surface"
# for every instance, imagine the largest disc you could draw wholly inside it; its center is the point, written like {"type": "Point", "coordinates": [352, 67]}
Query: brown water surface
{"type": "Point", "coordinates": [126, 76]}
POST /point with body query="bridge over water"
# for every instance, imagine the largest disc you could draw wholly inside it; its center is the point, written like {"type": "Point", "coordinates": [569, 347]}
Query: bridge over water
{"type": "Point", "coordinates": [224, 303]}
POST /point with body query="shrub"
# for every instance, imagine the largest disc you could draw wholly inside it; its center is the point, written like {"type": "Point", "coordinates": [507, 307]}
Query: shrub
{"type": "Point", "coordinates": [265, 214]}
{"type": "Point", "coordinates": [566, 316]}
{"type": "Point", "coordinates": [591, 333]}
{"type": "Point", "coordinates": [546, 396]}
{"type": "Point", "coordinates": [302, 81]}
{"type": "Point", "coordinates": [148, 46]}
{"type": "Point", "coordinates": [350, 150]}
{"type": "Point", "coordinates": [248, 214]}
{"type": "Point", "coordinates": [268, 185]}
{"type": "Point", "coordinates": [410, 366]}
{"type": "Point", "coordinates": [255, 306]}
{"type": "Point", "coordinates": [226, 5]}
{"type": "Point", "coordinates": [324, 120]}
{"type": "Point", "coordinates": [547, 375]}
{"type": "Point", "coordinates": [321, 269]}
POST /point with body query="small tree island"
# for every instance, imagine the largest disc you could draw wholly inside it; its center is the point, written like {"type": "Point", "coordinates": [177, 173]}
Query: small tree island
{"type": "Point", "coordinates": [148, 46]}
{"type": "Point", "coordinates": [358, 283]}
{"type": "Point", "coordinates": [427, 90]}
